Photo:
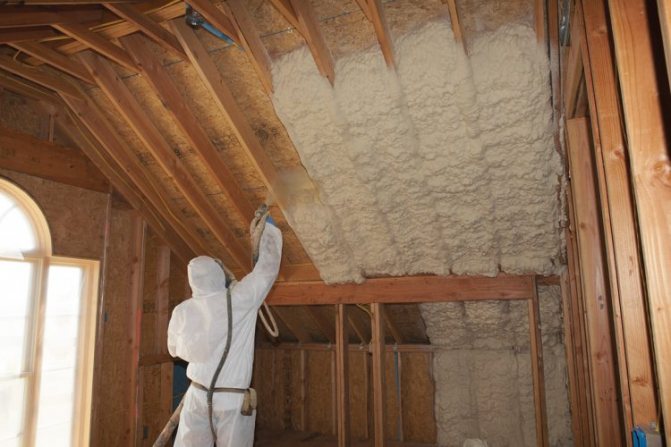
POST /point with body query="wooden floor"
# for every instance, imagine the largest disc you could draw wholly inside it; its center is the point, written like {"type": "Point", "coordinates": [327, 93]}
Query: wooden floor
{"type": "Point", "coordinates": [290, 439]}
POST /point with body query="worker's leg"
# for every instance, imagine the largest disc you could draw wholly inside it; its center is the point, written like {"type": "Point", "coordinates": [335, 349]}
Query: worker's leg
{"type": "Point", "coordinates": [194, 426]}
{"type": "Point", "coordinates": [233, 429]}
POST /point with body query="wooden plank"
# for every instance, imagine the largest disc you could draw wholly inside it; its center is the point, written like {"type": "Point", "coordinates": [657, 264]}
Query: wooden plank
{"type": "Point", "coordinates": [13, 35]}
{"type": "Point", "coordinates": [152, 29]}
{"type": "Point", "coordinates": [539, 21]}
{"type": "Point", "coordinates": [382, 31]}
{"type": "Point", "coordinates": [284, 7]}
{"type": "Point", "coordinates": [409, 289]}
{"type": "Point", "coordinates": [597, 302]}
{"type": "Point", "coordinates": [55, 59]}
{"type": "Point", "coordinates": [309, 28]}
{"type": "Point", "coordinates": [651, 172]}
{"type": "Point", "coordinates": [538, 375]}
{"type": "Point", "coordinates": [303, 389]}
{"type": "Point", "coordinates": [223, 96]}
{"type": "Point", "coordinates": [28, 89]}
{"type": "Point", "coordinates": [161, 330]}
{"type": "Point", "coordinates": [216, 17]}
{"type": "Point", "coordinates": [174, 102]}
{"type": "Point", "coordinates": [250, 39]}
{"type": "Point", "coordinates": [135, 294]}
{"type": "Point", "coordinates": [113, 158]}
{"type": "Point", "coordinates": [24, 153]}
{"type": "Point", "coordinates": [618, 217]}
{"type": "Point", "coordinates": [126, 104]}
{"type": "Point", "coordinates": [378, 350]}
{"type": "Point", "coordinates": [342, 375]}
{"type": "Point", "coordinates": [574, 66]}
{"type": "Point", "coordinates": [98, 44]}
{"type": "Point", "coordinates": [456, 24]}
{"type": "Point", "coordinates": [38, 76]}
{"type": "Point", "coordinates": [29, 16]}
{"type": "Point", "coordinates": [396, 335]}
{"type": "Point", "coordinates": [665, 21]}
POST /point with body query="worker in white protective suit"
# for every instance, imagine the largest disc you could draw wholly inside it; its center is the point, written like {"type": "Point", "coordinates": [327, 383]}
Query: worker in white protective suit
{"type": "Point", "coordinates": [198, 333]}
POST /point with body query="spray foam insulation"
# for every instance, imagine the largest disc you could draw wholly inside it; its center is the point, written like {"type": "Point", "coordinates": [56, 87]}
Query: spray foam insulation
{"type": "Point", "coordinates": [445, 165]}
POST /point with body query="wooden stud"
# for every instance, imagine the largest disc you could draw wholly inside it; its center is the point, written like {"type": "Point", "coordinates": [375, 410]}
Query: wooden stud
{"type": "Point", "coordinates": [99, 44]}
{"type": "Point", "coordinates": [539, 21]}
{"type": "Point", "coordinates": [378, 350]}
{"type": "Point", "coordinates": [38, 76]}
{"type": "Point", "coordinates": [650, 171]}
{"type": "Point", "coordinates": [135, 324]}
{"type": "Point", "coordinates": [161, 331]}
{"type": "Point", "coordinates": [536, 352]}
{"type": "Point", "coordinates": [126, 104]}
{"type": "Point", "coordinates": [55, 59]}
{"type": "Point", "coordinates": [216, 17]}
{"type": "Point", "coordinates": [342, 375]}
{"type": "Point", "coordinates": [250, 39]}
{"type": "Point", "coordinates": [597, 302]}
{"type": "Point", "coordinates": [24, 153]}
{"type": "Point", "coordinates": [382, 31]}
{"type": "Point", "coordinates": [409, 289]}
{"type": "Point", "coordinates": [303, 388]}
{"type": "Point", "coordinates": [172, 100]}
{"type": "Point", "coordinates": [626, 285]}
{"type": "Point", "coordinates": [152, 29]}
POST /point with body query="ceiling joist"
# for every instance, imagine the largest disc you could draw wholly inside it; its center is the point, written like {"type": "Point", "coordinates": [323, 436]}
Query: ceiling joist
{"type": "Point", "coordinates": [376, 12]}
{"type": "Point", "coordinates": [55, 59]}
{"type": "Point", "coordinates": [11, 35]}
{"type": "Point", "coordinates": [99, 44]}
{"type": "Point", "coordinates": [29, 90]}
{"type": "Point", "coordinates": [128, 107]}
{"type": "Point", "coordinates": [29, 16]}
{"type": "Point", "coordinates": [38, 76]}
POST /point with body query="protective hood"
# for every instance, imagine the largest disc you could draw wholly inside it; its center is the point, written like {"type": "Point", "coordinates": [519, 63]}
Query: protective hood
{"type": "Point", "coordinates": [206, 277]}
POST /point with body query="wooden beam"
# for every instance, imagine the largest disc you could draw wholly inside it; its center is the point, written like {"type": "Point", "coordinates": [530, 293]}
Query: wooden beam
{"type": "Point", "coordinates": [597, 301]}
{"type": "Point", "coordinates": [149, 27]}
{"type": "Point", "coordinates": [113, 157]}
{"type": "Point", "coordinates": [378, 350]}
{"type": "Point", "coordinates": [382, 31]}
{"type": "Point", "coordinates": [55, 59]}
{"type": "Point", "coordinates": [215, 83]}
{"type": "Point", "coordinates": [618, 218]}
{"type": "Point", "coordinates": [161, 330]}
{"type": "Point", "coordinates": [65, 2]}
{"type": "Point", "coordinates": [651, 172]}
{"type": "Point", "coordinates": [98, 44]}
{"type": "Point", "coordinates": [28, 89]}
{"type": "Point", "coordinates": [309, 28]}
{"type": "Point", "coordinates": [216, 17]}
{"type": "Point", "coordinates": [357, 330]}
{"type": "Point", "coordinates": [13, 35]}
{"type": "Point", "coordinates": [456, 23]}
{"type": "Point", "coordinates": [408, 289]}
{"type": "Point", "coordinates": [128, 107]}
{"type": "Point", "coordinates": [24, 153]}
{"type": "Point", "coordinates": [174, 102]}
{"type": "Point", "coordinates": [539, 21]}
{"type": "Point", "coordinates": [574, 66]}
{"type": "Point", "coordinates": [665, 24]}
{"type": "Point", "coordinates": [342, 375]}
{"type": "Point", "coordinates": [29, 16]}
{"type": "Point", "coordinates": [284, 7]}
{"type": "Point", "coordinates": [396, 335]}
{"type": "Point", "coordinates": [537, 372]}
{"type": "Point", "coordinates": [250, 39]}
{"type": "Point", "coordinates": [38, 76]}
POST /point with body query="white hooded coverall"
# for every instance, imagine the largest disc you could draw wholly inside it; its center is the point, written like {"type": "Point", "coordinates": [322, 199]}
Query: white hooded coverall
{"type": "Point", "coordinates": [197, 333]}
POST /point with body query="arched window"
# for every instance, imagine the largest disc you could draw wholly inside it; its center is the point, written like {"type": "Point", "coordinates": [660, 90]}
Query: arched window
{"type": "Point", "coordinates": [47, 321]}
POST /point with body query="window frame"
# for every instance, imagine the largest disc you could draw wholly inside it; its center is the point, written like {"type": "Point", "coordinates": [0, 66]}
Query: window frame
{"type": "Point", "coordinates": [42, 259]}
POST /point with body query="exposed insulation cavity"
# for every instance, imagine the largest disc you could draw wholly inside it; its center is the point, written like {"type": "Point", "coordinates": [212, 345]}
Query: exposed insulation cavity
{"type": "Point", "coordinates": [482, 371]}
{"type": "Point", "coordinates": [444, 166]}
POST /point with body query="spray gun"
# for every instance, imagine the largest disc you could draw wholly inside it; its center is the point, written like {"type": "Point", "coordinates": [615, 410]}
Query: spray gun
{"type": "Point", "coordinates": [196, 20]}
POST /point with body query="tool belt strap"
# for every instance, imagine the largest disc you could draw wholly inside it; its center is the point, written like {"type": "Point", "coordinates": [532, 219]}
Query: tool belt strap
{"type": "Point", "coordinates": [219, 389]}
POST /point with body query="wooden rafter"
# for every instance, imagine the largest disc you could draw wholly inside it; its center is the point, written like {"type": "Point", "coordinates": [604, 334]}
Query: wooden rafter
{"type": "Point", "coordinates": [393, 330]}
{"type": "Point", "coordinates": [382, 31]}
{"type": "Point", "coordinates": [38, 76]}
{"type": "Point", "coordinates": [408, 289]}
{"type": "Point", "coordinates": [149, 27]}
{"type": "Point", "coordinates": [24, 153]}
{"type": "Point", "coordinates": [11, 35]}
{"type": "Point", "coordinates": [28, 90]}
{"type": "Point", "coordinates": [126, 104]}
{"type": "Point", "coordinates": [99, 44]}
{"type": "Point", "coordinates": [326, 329]}
{"type": "Point", "coordinates": [299, 14]}
{"type": "Point", "coordinates": [456, 23]}
{"type": "Point", "coordinates": [30, 16]}
{"type": "Point", "coordinates": [55, 59]}
{"type": "Point", "coordinates": [172, 100]}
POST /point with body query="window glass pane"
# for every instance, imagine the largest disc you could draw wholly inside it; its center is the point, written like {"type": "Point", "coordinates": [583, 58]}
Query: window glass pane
{"type": "Point", "coordinates": [16, 231]}
{"type": "Point", "coordinates": [12, 396]}
{"type": "Point", "coordinates": [54, 436]}
{"type": "Point", "coordinates": [56, 399]}
{"type": "Point", "coordinates": [15, 306]}
{"type": "Point", "coordinates": [64, 290]}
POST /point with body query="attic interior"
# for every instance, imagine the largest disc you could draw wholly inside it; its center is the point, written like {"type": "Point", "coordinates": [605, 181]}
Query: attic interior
{"type": "Point", "coordinates": [474, 198]}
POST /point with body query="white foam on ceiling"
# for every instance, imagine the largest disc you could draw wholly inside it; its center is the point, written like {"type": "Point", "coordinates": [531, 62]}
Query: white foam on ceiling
{"type": "Point", "coordinates": [445, 165]}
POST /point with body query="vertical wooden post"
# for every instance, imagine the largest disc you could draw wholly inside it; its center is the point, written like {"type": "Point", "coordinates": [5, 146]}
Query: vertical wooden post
{"type": "Point", "coordinates": [378, 348]}
{"type": "Point", "coordinates": [537, 368]}
{"type": "Point", "coordinates": [161, 332]}
{"type": "Point", "coordinates": [651, 172]}
{"type": "Point", "coordinates": [539, 20]}
{"type": "Point", "coordinates": [304, 412]}
{"type": "Point", "coordinates": [334, 394]}
{"type": "Point", "coordinates": [342, 375]}
{"type": "Point", "coordinates": [595, 297]}
{"type": "Point", "coordinates": [135, 327]}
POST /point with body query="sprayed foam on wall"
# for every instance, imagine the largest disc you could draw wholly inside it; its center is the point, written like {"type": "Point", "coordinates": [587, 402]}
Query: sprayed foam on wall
{"type": "Point", "coordinates": [444, 166]}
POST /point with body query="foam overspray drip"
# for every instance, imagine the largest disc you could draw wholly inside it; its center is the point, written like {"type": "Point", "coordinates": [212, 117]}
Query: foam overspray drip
{"type": "Point", "coordinates": [445, 165]}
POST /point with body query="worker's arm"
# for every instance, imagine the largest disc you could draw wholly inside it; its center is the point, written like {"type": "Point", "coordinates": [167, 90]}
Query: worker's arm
{"type": "Point", "coordinates": [256, 285]}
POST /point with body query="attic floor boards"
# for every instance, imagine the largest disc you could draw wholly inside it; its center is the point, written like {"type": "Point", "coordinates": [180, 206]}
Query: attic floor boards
{"type": "Point", "coordinates": [266, 438]}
